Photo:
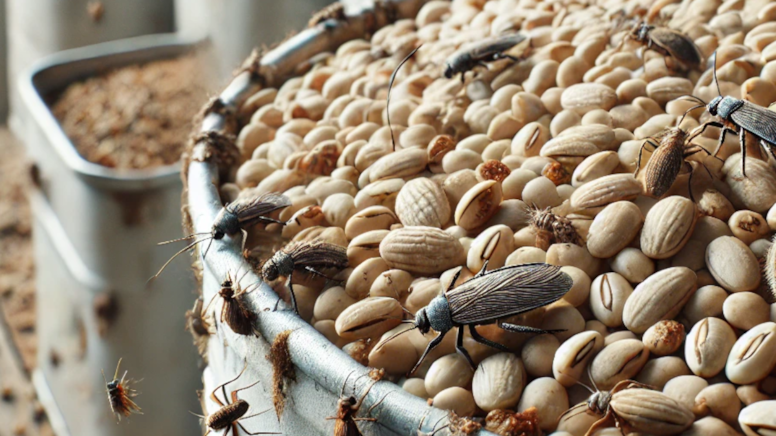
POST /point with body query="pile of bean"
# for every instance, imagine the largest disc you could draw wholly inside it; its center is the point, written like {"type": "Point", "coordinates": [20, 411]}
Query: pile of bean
{"type": "Point", "coordinates": [667, 291]}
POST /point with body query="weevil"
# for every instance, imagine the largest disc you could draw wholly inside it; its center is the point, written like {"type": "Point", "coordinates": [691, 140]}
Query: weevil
{"type": "Point", "coordinates": [606, 403]}
{"type": "Point", "coordinates": [667, 42]}
{"type": "Point", "coordinates": [671, 148]}
{"type": "Point", "coordinates": [304, 256]}
{"type": "Point", "coordinates": [552, 228]}
{"type": "Point", "coordinates": [479, 52]}
{"type": "Point", "coordinates": [234, 311]}
{"type": "Point", "coordinates": [739, 117]}
{"type": "Point", "coordinates": [346, 422]}
{"type": "Point", "coordinates": [390, 86]}
{"type": "Point", "coordinates": [486, 298]}
{"type": "Point", "coordinates": [120, 394]}
{"type": "Point", "coordinates": [234, 218]}
{"type": "Point", "coordinates": [231, 412]}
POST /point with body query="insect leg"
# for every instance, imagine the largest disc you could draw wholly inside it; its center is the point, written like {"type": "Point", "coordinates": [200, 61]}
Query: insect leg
{"type": "Point", "coordinates": [498, 56]}
{"type": "Point", "coordinates": [461, 350]}
{"type": "Point", "coordinates": [484, 269]}
{"type": "Point", "coordinates": [247, 432]}
{"type": "Point", "coordinates": [455, 279]}
{"type": "Point", "coordinates": [223, 386]}
{"type": "Point", "coordinates": [318, 273]}
{"type": "Point", "coordinates": [742, 140]}
{"type": "Point", "coordinates": [600, 423]}
{"type": "Point", "coordinates": [234, 392]}
{"type": "Point", "coordinates": [431, 345]}
{"type": "Point", "coordinates": [483, 340]}
{"type": "Point", "coordinates": [291, 291]}
{"type": "Point", "coordinates": [689, 181]}
{"type": "Point", "coordinates": [768, 146]}
{"type": "Point", "coordinates": [525, 329]}
{"type": "Point", "coordinates": [641, 150]}
{"type": "Point", "coordinates": [699, 130]}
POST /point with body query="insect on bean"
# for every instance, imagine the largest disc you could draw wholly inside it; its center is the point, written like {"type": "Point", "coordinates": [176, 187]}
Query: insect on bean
{"type": "Point", "coordinates": [480, 52]}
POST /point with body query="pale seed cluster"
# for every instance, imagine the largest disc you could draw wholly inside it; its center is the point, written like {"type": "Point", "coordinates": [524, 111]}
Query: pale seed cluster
{"type": "Point", "coordinates": [667, 292]}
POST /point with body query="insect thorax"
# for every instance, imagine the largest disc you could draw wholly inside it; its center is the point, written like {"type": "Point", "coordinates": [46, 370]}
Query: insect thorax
{"type": "Point", "coordinates": [226, 223]}
{"type": "Point", "coordinates": [438, 312]}
{"type": "Point", "coordinates": [727, 106]}
{"type": "Point", "coordinates": [228, 414]}
{"type": "Point", "coordinates": [281, 264]}
{"type": "Point", "coordinates": [599, 401]}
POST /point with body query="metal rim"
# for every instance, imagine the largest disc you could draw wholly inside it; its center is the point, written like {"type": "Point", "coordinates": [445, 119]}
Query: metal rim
{"type": "Point", "coordinates": [312, 354]}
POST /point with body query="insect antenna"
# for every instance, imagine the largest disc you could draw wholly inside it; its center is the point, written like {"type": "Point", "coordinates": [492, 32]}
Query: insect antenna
{"type": "Point", "coordinates": [714, 72]}
{"type": "Point", "coordinates": [198, 415]}
{"type": "Point", "coordinates": [116, 374]}
{"type": "Point", "coordinates": [185, 238]}
{"type": "Point", "coordinates": [694, 98]}
{"type": "Point", "coordinates": [405, 310]}
{"type": "Point", "coordinates": [590, 376]}
{"type": "Point", "coordinates": [395, 335]}
{"type": "Point", "coordinates": [181, 251]}
{"type": "Point", "coordinates": [390, 85]}
{"type": "Point", "coordinates": [698, 106]}
{"type": "Point", "coordinates": [257, 414]}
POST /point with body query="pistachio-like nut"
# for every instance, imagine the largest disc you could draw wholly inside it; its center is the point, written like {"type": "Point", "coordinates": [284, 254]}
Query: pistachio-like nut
{"type": "Point", "coordinates": [605, 190]}
{"type": "Point", "coordinates": [456, 185]}
{"type": "Point", "coordinates": [498, 382]}
{"type": "Point", "coordinates": [661, 296]}
{"type": "Point", "coordinates": [382, 193]}
{"type": "Point", "coordinates": [719, 400]}
{"type": "Point", "coordinates": [365, 246]}
{"type": "Point", "coordinates": [667, 227]}
{"type": "Point", "coordinates": [331, 302]}
{"type": "Point", "coordinates": [537, 355]}
{"type": "Point", "coordinates": [621, 360]}
{"type": "Point", "coordinates": [393, 283]}
{"type": "Point", "coordinates": [446, 372]}
{"type": "Point", "coordinates": [657, 372]}
{"type": "Point", "coordinates": [422, 202]}
{"type": "Point", "coordinates": [744, 310]}
{"type": "Point", "coordinates": [684, 389]}
{"type": "Point", "coordinates": [664, 337]}
{"type": "Point", "coordinates": [758, 419]}
{"type": "Point", "coordinates": [548, 397]}
{"type": "Point", "coordinates": [396, 356]}
{"type": "Point", "coordinates": [492, 245]}
{"type": "Point", "coordinates": [614, 228]}
{"type": "Point", "coordinates": [421, 250]}
{"type": "Point", "coordinates": [478, 205]}
{"type": "Point", "coordinates": [362, 277]}
{"type": "Point", "coordinates": [584, 97]}
{"type": "Point", "coordinates": [456, 399]}
{"type": "Point", "coordinates": [748, 226]}
{"type": "Point", "coordinates": [753, 356]}
{"type": "Point", "coordinates": [368, 318]}
{"type": "Point", "coordinates": [570, 360]}
{"type": "Point", "coordinates": [707, 346]}
{"type": "Point", "coordinates": [369, 219]}
{"type": "Point", "coordinates": [653, 412]}
{"type": "Point", "coordinates": [608, 294]}
{"type": "Point", "coordinates": [401, 163]}
{"type": "Point", "coordinates": [602, 163]}
{"type": "Point", "coordinates": [733, 264]}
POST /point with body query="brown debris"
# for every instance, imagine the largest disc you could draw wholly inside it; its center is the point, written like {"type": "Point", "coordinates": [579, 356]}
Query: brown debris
{"type": "Point", "coordinates": [282, 370]}
{"type": "Point", "coordinates": [460, 425]}
{"type": "Point", "coordinates": [509, 423]}
{"type": "Point", "coordinates": [494, 170]}
{"type": "Point", "coordinates": [556, 173]}
{"type": "Point", "coordinates": [553, 229]}
{"type": "Point", "coordinates": [376, 374]}
{"type": "Point", "coordinates": [106, 309]}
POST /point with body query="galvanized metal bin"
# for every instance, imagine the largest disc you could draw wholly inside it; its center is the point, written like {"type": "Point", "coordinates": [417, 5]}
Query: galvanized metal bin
{"type": "Point", "coordinates": [95, 235]}
{"type": "Point", "coordinates": [321, 367]}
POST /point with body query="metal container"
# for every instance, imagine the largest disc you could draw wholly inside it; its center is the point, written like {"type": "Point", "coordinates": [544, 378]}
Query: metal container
{"type": "Point", "coordinates": [96, 230]}
{"type": "Point", "coordinates": [321, 368]}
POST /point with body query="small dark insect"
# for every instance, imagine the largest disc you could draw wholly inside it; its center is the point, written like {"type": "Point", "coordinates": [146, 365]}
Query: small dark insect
{"type": "Point", "coordinates": [334, 11]}
{"type": "Point", "coordinates": [7, 394]}
{"type": "Point", "coordinates": [486, 298]}
{"type": "Point", "coordinates": [230, 414]}
{"type": "Point", "coordinates": [234, 218]}
{"type": "Point", "coordinates": [304, 256]}
{"type": "Point", "coordinates": [600, 403]}
{"type": "Point", "coordinates": [738, 117]}
{"type": "Point", "coordinates": [196, 324]}
{"type": "Point", "coordinates": [234, 311]}
{"type": "Point", "coordinates": [671, 148]}
{"type": "Point", "coordinates": [478, 53]}
{"type": "Point", "coordinates": [390, 86]}
{"type": "Point", "coordinates": [667, 42]}
{"type": "Point", "coordinates": [346, 422]}
{"type": "Point", "coordinates": [282, 370]}
{"type": "Point", "coordinates": [120, 394]}
{"type": "Point", "coordinates": [551, 228]}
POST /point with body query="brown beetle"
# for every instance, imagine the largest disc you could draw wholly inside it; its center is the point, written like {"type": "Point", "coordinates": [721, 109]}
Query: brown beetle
{"type": "Point", "coordinates": [234, 312]}
{"type": "Point", "coordinates": [667, 42]}
{"type": "Point", "coordinates": [229, 414]}
{"type": "Point", "coordinates": [346, 422]}
{"type": "Point", "coordinates": [671, 148]}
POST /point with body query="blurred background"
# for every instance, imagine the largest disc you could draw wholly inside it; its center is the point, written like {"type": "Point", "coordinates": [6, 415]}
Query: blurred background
{"type": "Point", "coordinates": [96, 102]}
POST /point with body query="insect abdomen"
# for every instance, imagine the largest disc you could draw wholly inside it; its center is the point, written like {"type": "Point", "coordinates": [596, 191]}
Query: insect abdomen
{"type": "Point", "coordinates": [665, 163]}
{"type": "Point", "coordinates": [225, 416]}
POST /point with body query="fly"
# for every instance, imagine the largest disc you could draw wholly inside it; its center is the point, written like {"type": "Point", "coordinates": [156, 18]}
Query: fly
{"type": "Point", "coordinates": [486, 298]}
{"type": "Point", "coordinates": [234, 312]}
{"type": "Point", "coordinates": [120, 394]}
{"type": "Point", "coordinates": [480, 52]}
{"type": "Point", "coordinates": [304, 256]}
{"type": "Point", "coordinates": [234, 218]}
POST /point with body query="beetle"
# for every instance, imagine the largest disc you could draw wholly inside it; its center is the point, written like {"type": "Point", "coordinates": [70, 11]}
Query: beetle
{"type": "Point", "coordinates": [234, 312]}
{"type": "Point", "coordinates": [479, 52]}
{"type": "Point", "coordinates": [120, 394]}
{"type": "Point", "coordinates": [233, 218]}
{"type": "Point", "coordinates": [667, 42]}
{"type": "Point", "coordinates": [739, 117]}
{"type": "Point", "coordinates": [305, 256]}
{"type": "Point", "coordinates": [229, 414]}
{"type": "Point", "coordinates": [486, 298]}
{"type": "Point", "coordinates": [346, 422]}
{"type": "Point", "coordinates": [671, 148]}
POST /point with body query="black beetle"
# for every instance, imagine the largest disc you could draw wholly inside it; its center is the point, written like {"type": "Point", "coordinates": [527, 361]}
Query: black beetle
{"type": "Point", "coordinates": [739, 117]}
{"type": "Point", "coordinates": [477, 53]}
{"type": "Point", "coordinates": [488, 297]}
{"type": "Point", "coordinates": [668, 42]}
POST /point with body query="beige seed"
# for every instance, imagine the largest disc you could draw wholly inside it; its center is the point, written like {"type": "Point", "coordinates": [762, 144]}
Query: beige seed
{"type": "Point", "coordinates": [667, 227]}
{"type": "Point", "coordinates": [369, 219]}
{"type": "Point", "coordinates": [362, 277]}
{"type": "Point", "coordinates": [657, 372]}
{"type": "Point", "coordinates": [733, 264]}
{"type": "Point", "coordinates": [757, 419]}
{"type": "Point", "coordinates": [595, 166]}
{"type": "Point", "coordinates": [393, 283]}
{"type": "Point", "coordinates": [478, 205]}
{"type": "Point", "coordinates": [382, 193]}
{"type": "Point", "coordinates": [605, 190]}
{"type": "Point", "coordinates": [369, 317]}
{"type": "Point", "coordinates": [421, 202]}
{"type": "Point", "coordinates": [456, 399]}
{"type": "Point", "coordinates": [421, 292]}
{"type": "Point", "coordinates": [548, 397]}
{"type": "Point", "coordinates": [707, 301]}
{"type": "Point", "coordinates": [757, 191]}
{"type": "Point", "coordinates": [614, 228]}
{"type": "Point", "coordinates": [748, 226]}
{"type": "Point", "coordinates": [666, 89]}
{"type": "Point", "coordinates": [651, 411]}
{"type": "Point", "coordinates": [421, 250]}
{"type": "Point", "coordinates": [564, 318]}
{"type": "Point", "coordinates": [537, 355]}
{"type": "Point", "coordinates": [494, 244]}
{"type": "Point", "coordinates": [498, 382]}
{"type": "Point", "coordinates": [396, 356]}
{"type": "Point", "coordinates": [661, 296]}
{"type": "Point", "coordinates": [608, 294]}
{"type": "Point", "coordinates": [684, 388]}
{"type": "Point", "coordinates": [572, 356]}
{"type": "Point", "coordinates": [744, 310]}
{"type": "Point", "coordinates": [753, 356]}
{"type": "Point", "coordinates": [331, 303]}
{"type": "Point", "coordinates": [714, 203]}
{"type": "Point", "coordinates": [446, 372]}
{"type": "Point", "coordinates": [365, 246]}
{"type": "Point", "coordinates": [584, 97]}
{"type": "Point", "coordinates": [619, 361]}
{"type": "Point", "coordinates": [718, 400]}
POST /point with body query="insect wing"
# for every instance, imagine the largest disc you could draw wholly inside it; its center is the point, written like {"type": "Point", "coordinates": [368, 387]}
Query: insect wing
{"type": "Point", "coordinates": [757, 120]}
{"type": "Point", "coordinates": [488, 47]}
{"type": "Point", "coordinates": [507, 291]}
{"type": "Point", "coordinates": [679, 45]}
{"type": "Point", "coordinates": [248, 209]}
{"type": "Point", "coordinates": [317, 253]}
